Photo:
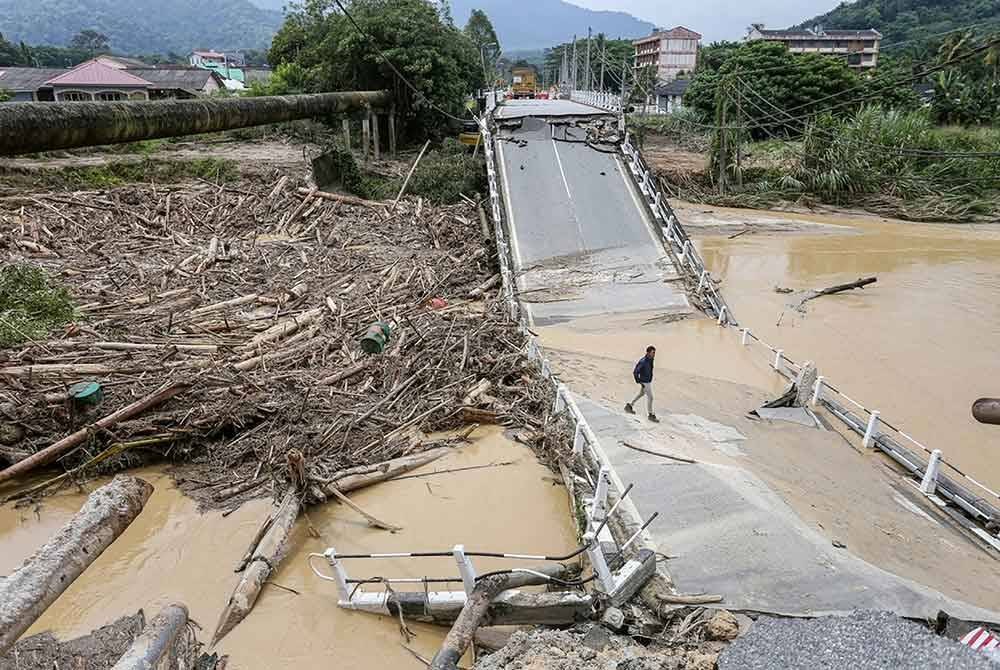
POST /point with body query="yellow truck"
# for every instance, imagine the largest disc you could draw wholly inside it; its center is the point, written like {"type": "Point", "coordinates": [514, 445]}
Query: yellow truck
{"type": "Point", "coordinates": [525, 81]}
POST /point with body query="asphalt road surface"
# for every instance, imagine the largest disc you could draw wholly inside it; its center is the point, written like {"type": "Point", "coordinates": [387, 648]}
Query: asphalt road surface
{"type": "Point", "coordinates": [583, 242]}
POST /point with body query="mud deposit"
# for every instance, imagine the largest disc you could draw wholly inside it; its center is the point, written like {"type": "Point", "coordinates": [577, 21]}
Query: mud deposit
{"type": "Point", "coordinates": [172, 553]}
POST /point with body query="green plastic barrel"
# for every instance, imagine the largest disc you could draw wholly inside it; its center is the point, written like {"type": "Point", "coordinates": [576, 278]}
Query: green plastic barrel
{"type": "Point", "coordinates": [376, 337]}
{"type": "Point", "coordinates": [86, 394]}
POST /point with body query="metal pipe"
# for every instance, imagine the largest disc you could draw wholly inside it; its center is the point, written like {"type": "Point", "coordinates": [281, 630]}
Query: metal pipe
{"type": "Point", "coordinates": [987, 410]}
{"type": "Point", "coordinates": [44, 126]}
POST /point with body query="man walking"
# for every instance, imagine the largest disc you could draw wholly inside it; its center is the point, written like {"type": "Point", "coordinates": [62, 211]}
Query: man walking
{"type": "Point", "coordinates": [643, 374]}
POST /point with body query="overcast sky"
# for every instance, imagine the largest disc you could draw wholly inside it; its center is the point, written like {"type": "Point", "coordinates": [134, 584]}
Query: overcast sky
{"type": "Point", "coordinates": [717, 19]}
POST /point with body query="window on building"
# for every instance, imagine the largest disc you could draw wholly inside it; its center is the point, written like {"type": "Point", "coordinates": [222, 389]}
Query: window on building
{"type": "Point", "coordinates": [75, 96]}
{"type": "Point", "coordinates": [110, 96]}
{"type": "Point", "coordinates": [854, 59]}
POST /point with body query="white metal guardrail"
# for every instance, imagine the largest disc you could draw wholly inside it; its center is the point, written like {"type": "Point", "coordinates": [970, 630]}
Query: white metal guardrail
{"type": "Point", "coordinates": [602, 99]}
{"type": "Point", "coordinates": [619, 585]}
{"type": "Point", "coordinates": [877, 433]}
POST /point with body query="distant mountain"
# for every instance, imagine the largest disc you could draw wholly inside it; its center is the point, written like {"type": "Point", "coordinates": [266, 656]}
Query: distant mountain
{"type": "Point", "coordinates": [537, 24]}
{"type": "Point", "coordinates": [900, 20]}
{"type": "Point", "coordinates": [142, 26]}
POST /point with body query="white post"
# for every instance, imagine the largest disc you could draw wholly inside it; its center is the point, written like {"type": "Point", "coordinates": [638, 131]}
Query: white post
{"type": "Point", "coordinates": [779, 356]}
{"type": "Point", "coordinates": [722, 316]}
{"type": "Point", "coordinates": [870, 431]}
{"type": "Point", "coordinates": [578, 439]}
{"type": "Point", "coordinates": [560, 403]}
{"type": "Point", "coordinates": [464, 568]}
{"type": "Point", "coordinates": [701, 279]}
{"type": "Point", "coordinates": [656, 204]}
{"type": "Point", "coordinates": [339, 574]}
{"type": "Point", "coordinates": [684, 251]}
{"type": "Point", "coordinates": [599, 506]}
{"type": "Point", "coordinates": [745, 337]}
{"type": "Point", "coordinates": [929, 484]}
{"type": "Point", "coordinates": [598, 563]}
{"type": "Point", "coordinates": [817, 390]}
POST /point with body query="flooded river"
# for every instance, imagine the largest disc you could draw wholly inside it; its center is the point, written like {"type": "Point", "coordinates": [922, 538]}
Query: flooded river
{"type": "Point", "coordinates": [173, 553]}
{"type": "Point", "coordinates": [920, 345]}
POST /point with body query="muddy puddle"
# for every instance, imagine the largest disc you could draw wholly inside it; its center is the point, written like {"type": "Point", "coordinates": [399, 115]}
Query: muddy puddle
{"type": "Point", "coordinates": [173, 553]}
{"type": "Point", "coordinates": [920, 346]}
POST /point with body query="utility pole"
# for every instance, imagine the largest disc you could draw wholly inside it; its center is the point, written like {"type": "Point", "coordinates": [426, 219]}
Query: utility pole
{"type": "Point", "coordinates": [604, 56]}
{"type": "Point", "coordinates": [624, 80]}
{"type": "Point", "coordinates": [739, 131]}
{"type": "Point", "coordinates": [575, 63]}
{"type": "Point", "coordinates": [587, 73]}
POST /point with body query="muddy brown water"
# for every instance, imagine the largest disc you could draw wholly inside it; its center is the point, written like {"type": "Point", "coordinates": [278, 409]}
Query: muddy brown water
{"type": "Point", "coordinates": [173, 553]}
{"type": "Point", "coordinates": [920, 346]}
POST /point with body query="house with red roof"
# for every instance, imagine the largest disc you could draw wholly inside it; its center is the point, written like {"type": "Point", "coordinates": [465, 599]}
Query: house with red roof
{"type": "Point", "coordinates": [94, 80]}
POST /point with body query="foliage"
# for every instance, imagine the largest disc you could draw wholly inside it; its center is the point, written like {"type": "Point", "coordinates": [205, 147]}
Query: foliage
{"type": "Point", "coordinates": [900, 20]}
{"type": "Point", "coordinates": [441, 176]}
{"type": "Point", "coordinates": [89, 40]}
{"type": "Point", "coordinates": [783, 79]}
{"type": "Point", "coordinates": [31, 305]}
{"type": "Point", "coordinates": [142, 26]}
{"type": "Point", "coordinates": [286, 79]}
{"type": "Point", "coordinates": [4, 95]}
{"type": "Point", "coordinates": [436, 58]}
{"type": "Point", "coordinates": [118, 172]}
{"type": "Point", "coordinates": [480, 32]}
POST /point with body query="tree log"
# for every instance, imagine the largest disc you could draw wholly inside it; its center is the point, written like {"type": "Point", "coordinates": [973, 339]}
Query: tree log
{"type": "Point", "coordinates": [337, 197]}
{"type": "Point", "coordinates": [166, 643]}
{"type": "Point", "coordinates": [476, 608]}
{"type": "Point", "coordinates": [27, 593]}
{"type": "Point", "coordinates": [840, 288]}
{"type": "Point", "coordinates": [57, 449]}
{"type": "Point", "coordinates": [271, 543]}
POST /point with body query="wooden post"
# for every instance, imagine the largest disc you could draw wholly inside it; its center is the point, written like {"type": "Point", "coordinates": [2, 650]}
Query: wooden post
{"type": "Point", "coordinates": [375, 137]}
{"type": "Point", "coordinates": [392, 133]}
{"type": "Point", "coordinates": [365, 135]}
{"type": "Point", "coordinates": [346, 124]}
{"type": "Point", "coordinates": [28, 591]}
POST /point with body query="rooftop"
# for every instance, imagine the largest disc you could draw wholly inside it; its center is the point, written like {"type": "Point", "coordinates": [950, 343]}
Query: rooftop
{"type": "Point", "coordinates": [208, 54]}
{"type": "Point", "coordinates": [185, 78]}
{"type": "Point", "coordinates": [27, 78]}
{"type": "Point", "coordinates": [813, 34]}
{"type": "Point", "coordinates": [677, 32]}
{"type": "Point", "coordinates": [93, 73]}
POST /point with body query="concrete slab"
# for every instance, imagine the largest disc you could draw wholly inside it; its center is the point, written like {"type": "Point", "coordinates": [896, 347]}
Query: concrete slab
{"type": "Point", "coordinates": [727, 532]}
{"type": "Point", "coordinates": [798, 415]}
{"type": "Point", "coordinates": [515, 109]}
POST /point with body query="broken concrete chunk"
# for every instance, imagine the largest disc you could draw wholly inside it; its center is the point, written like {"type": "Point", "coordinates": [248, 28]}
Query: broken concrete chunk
{"type": "Point", "coordinates": [722, 626]}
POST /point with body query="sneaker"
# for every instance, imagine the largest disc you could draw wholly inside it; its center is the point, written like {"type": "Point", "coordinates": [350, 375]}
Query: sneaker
{"type": "Point", "coordinates": [628, 408]}
{"type": "Point", "coordinates": [652, 417]}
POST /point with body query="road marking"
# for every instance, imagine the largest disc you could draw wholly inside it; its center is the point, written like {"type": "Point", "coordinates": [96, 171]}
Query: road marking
{"type": "Point", "coordinates": [638, 205]}
{"type": "Point", "coordinates": [515, 248]}
{"type": "Point", "coordinates": [561, 171]}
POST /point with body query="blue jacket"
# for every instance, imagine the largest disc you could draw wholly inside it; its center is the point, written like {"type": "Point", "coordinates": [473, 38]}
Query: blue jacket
{"type": "Point", "coordinates": [643, 372]}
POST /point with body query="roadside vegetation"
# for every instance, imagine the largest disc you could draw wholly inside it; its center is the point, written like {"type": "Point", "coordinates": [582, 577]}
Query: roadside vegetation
{"type": "Point", "coordinates": [120, 172]}
{"type": "Point", "coordinates": [31, 304]}
{"type": "Point", "coordinates": [778, 127]}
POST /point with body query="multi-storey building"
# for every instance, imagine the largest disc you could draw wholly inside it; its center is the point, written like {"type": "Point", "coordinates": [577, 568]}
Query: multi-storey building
{"type": "Point", "coordinates": [673, 52]}
{"type": "Point", "coordinates": [859, 48]}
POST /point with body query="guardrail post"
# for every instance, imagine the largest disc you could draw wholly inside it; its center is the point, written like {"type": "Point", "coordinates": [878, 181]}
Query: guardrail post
{"type": "Point", "coordinates": [929, 484]}
{"type": "Point", "coordinates": [817, 391]}
{"type": "Point", "coordinates": [464, 568]}
{"type": "Point", "coordinates": [339, 574]}
{"type": "Point", "coordinates": [701, 279]}
{"type": "Point", "coordinates": [870, 430]}
{"type": "Point", "coordinates": [560, 401]}
{"type": "Point", "coordinates": [779, 357]}
{"type": "Point", "coordinates": [722, 316]}
{"type": "Point", "coordinates": [656, 205]}
{"type": "Point", "coordinates": [684, 252]}
{"type": "Point", "coordinates": [578, 439]}
{"type": "Point", "coordinates": [598, 562]}
{"type": "Point", "coordinates": [745, 337]}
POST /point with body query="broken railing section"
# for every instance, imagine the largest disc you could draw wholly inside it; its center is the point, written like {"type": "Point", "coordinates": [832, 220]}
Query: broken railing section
{"type": "Point", "coordinates": [878, 433]}
{"type": "Point", "coordinates": [866, 422]}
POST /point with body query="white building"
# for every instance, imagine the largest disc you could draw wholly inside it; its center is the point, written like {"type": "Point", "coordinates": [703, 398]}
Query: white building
{"type": "Point", "coordinates": [672, 52]}
{"type": "Point", "coordinates": [859, 48]}
{"type": "Point", "coordinates": [206, 58]}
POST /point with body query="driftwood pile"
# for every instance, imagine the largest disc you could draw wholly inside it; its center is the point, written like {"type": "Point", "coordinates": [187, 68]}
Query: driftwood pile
{"type": "Point", "coordinates": [223, 327]}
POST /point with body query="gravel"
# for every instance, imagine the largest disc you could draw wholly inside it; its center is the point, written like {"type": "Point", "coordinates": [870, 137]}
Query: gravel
{"type": "Point", "coordinates": [861, 641]}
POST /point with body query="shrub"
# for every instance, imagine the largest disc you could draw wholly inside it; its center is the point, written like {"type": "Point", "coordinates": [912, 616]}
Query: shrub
{"type": "Point", "coordinates": [31, 305]}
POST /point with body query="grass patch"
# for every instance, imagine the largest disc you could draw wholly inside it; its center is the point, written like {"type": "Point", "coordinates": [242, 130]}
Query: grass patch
{"type": "Point", "coordinates": [118, 173]}
{"type": "Point", "coordinates": [31, 305]}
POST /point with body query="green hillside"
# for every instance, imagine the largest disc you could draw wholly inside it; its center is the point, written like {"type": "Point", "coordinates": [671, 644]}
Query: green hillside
{"type": "Point", "coordinates": [142, 26]}
{"type": "Point", "coordinates": [900, 20]}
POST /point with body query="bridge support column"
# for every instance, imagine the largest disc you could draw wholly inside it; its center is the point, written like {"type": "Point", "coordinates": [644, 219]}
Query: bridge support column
{"type": "Point", "coordinates": [346, 125]}
{"type": "Point", "coordinates": [365, 137]}
{"type": "Point", "coordinates": [377, 150]}
{"type": "Point", "coordinates": [392, 133]}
